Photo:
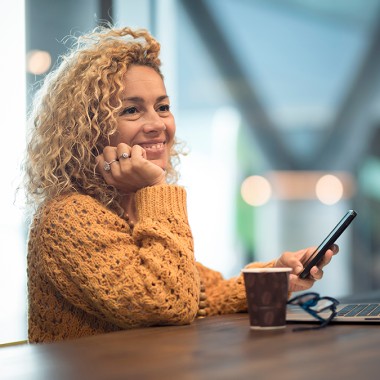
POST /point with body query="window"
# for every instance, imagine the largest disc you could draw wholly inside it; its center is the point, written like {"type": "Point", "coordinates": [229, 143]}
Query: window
{"type": "Point", "coordinates": [12, 228]}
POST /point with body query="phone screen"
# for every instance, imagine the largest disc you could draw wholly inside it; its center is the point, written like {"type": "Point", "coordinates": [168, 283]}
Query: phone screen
{"type": "Point", "coordinates": [327, 242]}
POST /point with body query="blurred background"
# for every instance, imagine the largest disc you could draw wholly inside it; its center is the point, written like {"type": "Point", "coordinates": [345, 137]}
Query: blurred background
{"type": "Point", "coordinates": [278, 102]}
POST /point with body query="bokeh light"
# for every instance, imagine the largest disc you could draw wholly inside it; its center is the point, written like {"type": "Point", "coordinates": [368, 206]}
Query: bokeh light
{"type": "Point", "coordinates": [329, 189]}
{"type": "Point", "coordinates": [256, 190]}
{"type": "Point", "coordinates": [38, 62]}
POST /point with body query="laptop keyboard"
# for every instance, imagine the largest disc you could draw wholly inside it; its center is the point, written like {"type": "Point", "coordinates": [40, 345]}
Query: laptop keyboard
{"type": "Point", "coordinates": [360, 310]}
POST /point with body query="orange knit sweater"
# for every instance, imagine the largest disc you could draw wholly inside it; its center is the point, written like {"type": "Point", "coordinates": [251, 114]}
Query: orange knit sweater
{"type": "Point", "coordinates": [90, 273]}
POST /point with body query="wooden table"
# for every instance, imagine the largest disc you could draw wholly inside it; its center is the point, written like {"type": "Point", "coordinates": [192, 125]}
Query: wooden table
{"type": "Point", "coordinates": [221, 347]}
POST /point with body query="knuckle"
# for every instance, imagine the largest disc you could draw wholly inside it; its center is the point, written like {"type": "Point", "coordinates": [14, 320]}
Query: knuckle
{"type": "Point", "coordinates": [122, 145]}
{"type": "Point", "coordinates": [107, 149]}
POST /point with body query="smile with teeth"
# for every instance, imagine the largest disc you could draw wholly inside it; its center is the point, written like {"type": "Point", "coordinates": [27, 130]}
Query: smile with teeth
{"type": "Point", "coordinates": [153, 146]}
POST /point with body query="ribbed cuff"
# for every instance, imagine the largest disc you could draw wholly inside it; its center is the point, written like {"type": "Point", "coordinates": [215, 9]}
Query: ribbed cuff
{"type": "Point", "coordinates": [162, 201]}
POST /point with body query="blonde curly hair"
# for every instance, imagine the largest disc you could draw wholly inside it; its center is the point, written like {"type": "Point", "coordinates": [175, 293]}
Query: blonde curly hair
{"type": "Point", "coordinates": [75, 112]}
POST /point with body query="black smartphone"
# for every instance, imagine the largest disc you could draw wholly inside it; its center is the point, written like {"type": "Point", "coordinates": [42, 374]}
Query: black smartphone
{"type": "Point", "coordinates": [327, 243]}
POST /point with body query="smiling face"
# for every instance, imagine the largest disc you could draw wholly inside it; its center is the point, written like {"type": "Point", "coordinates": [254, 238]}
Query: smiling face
{"type": "Point", "coordinates": [146, 119]}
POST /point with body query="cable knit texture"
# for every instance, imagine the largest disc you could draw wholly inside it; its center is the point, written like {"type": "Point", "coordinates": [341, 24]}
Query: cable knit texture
{"type": "Point", "coordinates": [226, 296]}
{"type": "Point", "coordinates": [90, 273]}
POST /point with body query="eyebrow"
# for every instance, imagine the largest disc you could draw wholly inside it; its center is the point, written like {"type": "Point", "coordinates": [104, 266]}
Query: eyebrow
{"type": "Point", "coordinates": [138, 99]}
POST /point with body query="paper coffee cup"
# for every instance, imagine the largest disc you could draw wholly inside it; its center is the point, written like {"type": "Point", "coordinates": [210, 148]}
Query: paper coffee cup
{"type": "Point", "coordinates": [267, 295]}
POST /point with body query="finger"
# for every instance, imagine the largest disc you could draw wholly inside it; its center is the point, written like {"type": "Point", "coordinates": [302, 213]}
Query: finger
{"type": "Point", "coordinates": [107, 161]}
{"type": "Point", "coordinates": [335, 248]}
{"type": "Point", "coordinates": [100, 162]}
{"type": "Point", "coordinates": [109, 153]}
{"type": "Point", "coordinates": [137, 152]}
{"type": "Point", "coordinates": [297, 284]}
{"type": "Point", "coordinates": [292, 260]}
{"type": "Point", "coordinates": [316, 273]}
{"type": "Point", "coordinates": [123, 151]}
{"type": "Point", "coordinates": [326, 259]}
{"type": "Point", "coordinates": [100, 168]}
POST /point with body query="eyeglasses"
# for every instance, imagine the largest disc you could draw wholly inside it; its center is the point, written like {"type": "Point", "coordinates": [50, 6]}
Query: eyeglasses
{"type": "Point", "coordinates": [315, 305]}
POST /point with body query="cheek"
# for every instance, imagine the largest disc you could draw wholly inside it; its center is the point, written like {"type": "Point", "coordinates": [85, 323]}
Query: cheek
{"type": "Point", "coordinates": [124, 134]}
{"type": "Point", "coordinates": [114, 139]}
{"type": "Point", "coordinates": [171, 129]}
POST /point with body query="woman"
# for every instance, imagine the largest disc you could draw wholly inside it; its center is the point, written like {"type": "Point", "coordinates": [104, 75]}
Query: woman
{"type": "Point", "coordinates": [110, 246]}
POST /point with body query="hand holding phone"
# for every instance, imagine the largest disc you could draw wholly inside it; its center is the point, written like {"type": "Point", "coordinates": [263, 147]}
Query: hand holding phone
{"type": "Point", "coordinates": [318, 254]}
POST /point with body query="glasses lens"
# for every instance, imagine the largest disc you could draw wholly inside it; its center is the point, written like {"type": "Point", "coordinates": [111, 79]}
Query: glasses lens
{"type": "Point", "coordinates": [307, 298]}
{"type": "Point", "coordinates": [324, 305]}
{"type": "Point", "coordinates": [323, 309]}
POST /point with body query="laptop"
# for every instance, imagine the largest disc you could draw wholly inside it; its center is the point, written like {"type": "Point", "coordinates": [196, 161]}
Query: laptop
{"type": "Point", "coordinates": [368, 312]}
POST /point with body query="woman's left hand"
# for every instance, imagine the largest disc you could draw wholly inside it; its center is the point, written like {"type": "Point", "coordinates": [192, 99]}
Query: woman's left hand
{"type": "Point", "coordinates": [296, 260]}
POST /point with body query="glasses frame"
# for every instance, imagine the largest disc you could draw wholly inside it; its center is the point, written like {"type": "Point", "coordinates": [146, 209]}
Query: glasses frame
{"type": "Point", "coordinates": [307, 305]}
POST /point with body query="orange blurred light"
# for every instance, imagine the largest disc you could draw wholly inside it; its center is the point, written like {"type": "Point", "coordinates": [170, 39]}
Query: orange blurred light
{"type": "Point", "coordinates": [38, 62]}
{"type": "Point", "coordinates": [256, 190]}
{"type": "Point", "coordinates": [329, 189]}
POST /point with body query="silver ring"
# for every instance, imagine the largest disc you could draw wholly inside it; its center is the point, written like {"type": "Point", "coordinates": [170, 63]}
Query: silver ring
{"type": "Point", "coordinates": [124, 155]}
{"type": "Point", "coordinates": [107, 165]}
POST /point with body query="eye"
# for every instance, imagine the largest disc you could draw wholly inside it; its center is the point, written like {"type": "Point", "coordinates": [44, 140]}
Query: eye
{"type": "Point", "coordinates": [129, 111]}
{"type": "Point", "coordinates": [164, 108]}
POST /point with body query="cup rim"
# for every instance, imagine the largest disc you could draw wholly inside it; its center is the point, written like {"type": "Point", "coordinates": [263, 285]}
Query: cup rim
{"type": "Point", "coordinates": [266, 270]}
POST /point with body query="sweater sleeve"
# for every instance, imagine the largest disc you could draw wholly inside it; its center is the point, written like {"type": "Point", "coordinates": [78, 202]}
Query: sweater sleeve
{"type": "Point", "coordinates": [226, 296]}
{"type": "Point", "coordinates": [130, 278]}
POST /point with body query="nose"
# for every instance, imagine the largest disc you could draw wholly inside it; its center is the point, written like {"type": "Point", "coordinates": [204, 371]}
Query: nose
{"type": "Point", "coordinates": [153, 123]}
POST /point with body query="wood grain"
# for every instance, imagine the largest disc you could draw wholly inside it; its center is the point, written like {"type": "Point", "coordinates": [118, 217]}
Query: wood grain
{"type": "Point", "coordinates": [221, 347]}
